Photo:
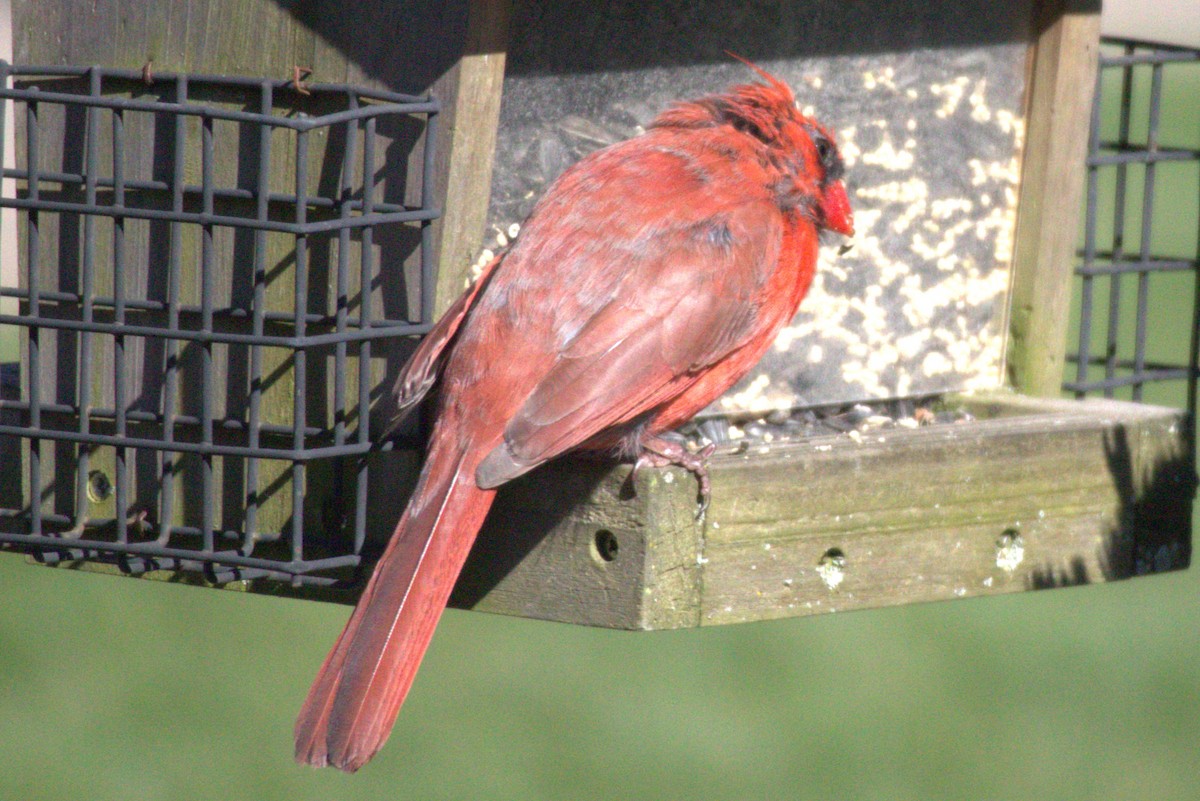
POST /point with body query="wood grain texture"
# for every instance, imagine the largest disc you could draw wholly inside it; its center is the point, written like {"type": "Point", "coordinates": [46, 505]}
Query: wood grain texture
{"type": "Point", "coordinates": [1034, 494]}
{"type": "Point", "coordinates": [1061, 83]}
{"type": "Point", "coordinates": [467, 147]}
{"type": "Point", "coordinates": [1000, 505]}
{"type": "Point", "coordinates": [604, 551]}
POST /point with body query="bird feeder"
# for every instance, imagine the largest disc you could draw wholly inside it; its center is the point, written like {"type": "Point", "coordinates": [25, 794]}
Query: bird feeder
{"type": "Point", "coordinates": [247, 239]}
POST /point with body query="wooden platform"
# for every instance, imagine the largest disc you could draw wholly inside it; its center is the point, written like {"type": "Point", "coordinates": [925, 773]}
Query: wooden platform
{"type": "Point", "coordinates": [1032, 494]}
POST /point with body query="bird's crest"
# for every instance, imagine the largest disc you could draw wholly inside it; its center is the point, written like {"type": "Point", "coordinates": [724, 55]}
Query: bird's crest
{"type": "Point", "coordinates": [771, 80]}
{"type": "Point", "coordinates": [756, 108]}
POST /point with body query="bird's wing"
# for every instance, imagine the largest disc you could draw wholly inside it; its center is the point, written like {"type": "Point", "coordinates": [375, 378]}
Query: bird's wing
{"type": "Point", "coordinates": [420, 373]}
{"type": "Point", "coordinates": [689, 301]}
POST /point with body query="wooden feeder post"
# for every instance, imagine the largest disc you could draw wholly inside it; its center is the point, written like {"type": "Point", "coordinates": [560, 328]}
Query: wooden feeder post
{"type": "Point", "coordinates": [1062, 81]}
{"type": "Point", "coordinates": [465, 158]}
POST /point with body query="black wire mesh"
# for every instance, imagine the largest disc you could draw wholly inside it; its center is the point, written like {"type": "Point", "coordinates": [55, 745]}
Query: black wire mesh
{"type": "Point", "coordinates": [1137, 237]}
{"type": "Point", "coordinates": [206, 264]}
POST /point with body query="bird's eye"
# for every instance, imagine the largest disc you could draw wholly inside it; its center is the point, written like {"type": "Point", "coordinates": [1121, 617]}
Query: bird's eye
{"type": "Point", "coordinates": [824, 151]}
{"type": "Point", "coordinates": [827, 155]}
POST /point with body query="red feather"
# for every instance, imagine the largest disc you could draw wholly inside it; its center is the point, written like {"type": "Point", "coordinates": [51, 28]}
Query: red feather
{"type": "Point", "coordinates": [651, 276]}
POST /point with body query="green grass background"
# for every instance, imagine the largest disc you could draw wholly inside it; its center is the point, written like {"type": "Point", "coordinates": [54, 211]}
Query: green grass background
{"type": "Point", "coordinates": [124, 689]}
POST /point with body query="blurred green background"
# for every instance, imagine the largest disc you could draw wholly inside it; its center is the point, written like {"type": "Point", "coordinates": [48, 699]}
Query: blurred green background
{"type": "Point", "coordinates": [124, 689]}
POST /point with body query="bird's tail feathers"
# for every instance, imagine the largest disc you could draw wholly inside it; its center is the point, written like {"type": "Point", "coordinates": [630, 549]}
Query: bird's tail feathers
{"type": "Point", "coordinates": [354, 701]}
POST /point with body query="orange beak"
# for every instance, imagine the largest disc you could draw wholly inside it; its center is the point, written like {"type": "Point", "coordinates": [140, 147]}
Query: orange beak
{"type": "Point", "coordinates": [835, 209]}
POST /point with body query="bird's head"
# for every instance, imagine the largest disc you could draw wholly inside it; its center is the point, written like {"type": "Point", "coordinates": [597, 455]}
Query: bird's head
{"type": "Point", "coordinates": [825, 162]}
{"type": "Point", "coordinates": [799, 152]}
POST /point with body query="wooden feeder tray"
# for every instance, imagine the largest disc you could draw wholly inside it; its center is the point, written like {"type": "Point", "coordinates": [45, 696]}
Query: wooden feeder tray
{"type": "Point", "coordinates": [1030, 494]}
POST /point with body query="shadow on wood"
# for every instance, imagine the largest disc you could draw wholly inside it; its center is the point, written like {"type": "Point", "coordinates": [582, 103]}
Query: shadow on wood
{"type": "Point", "coordinates": [1152, 521]}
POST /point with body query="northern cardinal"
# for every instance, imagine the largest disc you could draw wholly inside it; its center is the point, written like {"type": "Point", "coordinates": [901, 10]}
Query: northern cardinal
{"type": "Point", "coordinates": [651, 276]}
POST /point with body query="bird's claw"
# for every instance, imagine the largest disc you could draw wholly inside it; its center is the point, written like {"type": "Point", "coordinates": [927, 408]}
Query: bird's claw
{"type": "Point", "coordinates": [658, 452]}
{"type": "Point", "coordinates": [299, 74]}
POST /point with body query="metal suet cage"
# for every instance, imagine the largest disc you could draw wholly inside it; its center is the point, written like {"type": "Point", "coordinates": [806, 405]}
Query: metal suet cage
{"type": "Point", "coordinates": [198, 349]}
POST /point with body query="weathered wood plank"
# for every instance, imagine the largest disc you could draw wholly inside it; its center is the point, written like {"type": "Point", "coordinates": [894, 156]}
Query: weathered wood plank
{"type": "Point", "coordinates": [1039, 494]}
{"type": "Point", "coordinates": [999, 505]}
{"type": "Point", "coordinates": [576, 541]}
{"type": "Point", "coordinates": [468, 145]}
{"type": "Point", "coordinates": [1062, 80]}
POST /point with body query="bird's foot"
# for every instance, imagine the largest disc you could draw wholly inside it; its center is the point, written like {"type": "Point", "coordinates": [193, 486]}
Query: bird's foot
{"type": "Point", "coordinates": [299, 75]}
{"type": "Point", "coordinates": [660, 452]}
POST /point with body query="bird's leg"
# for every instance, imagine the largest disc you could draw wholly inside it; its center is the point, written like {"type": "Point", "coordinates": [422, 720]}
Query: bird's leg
{"type": "Point", "coordinates": [298, 75]}
{"type": "Point", "coordinates": [660, 452]}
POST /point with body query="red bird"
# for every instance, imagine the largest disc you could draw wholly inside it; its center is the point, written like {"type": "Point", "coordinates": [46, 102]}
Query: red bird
{"type": "Point", "coordinates": [651, 276]}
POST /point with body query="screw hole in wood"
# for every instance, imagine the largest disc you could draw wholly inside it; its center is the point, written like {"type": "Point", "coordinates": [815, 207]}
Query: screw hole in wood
{"type": "Point", "coordinates": [605, 545]}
